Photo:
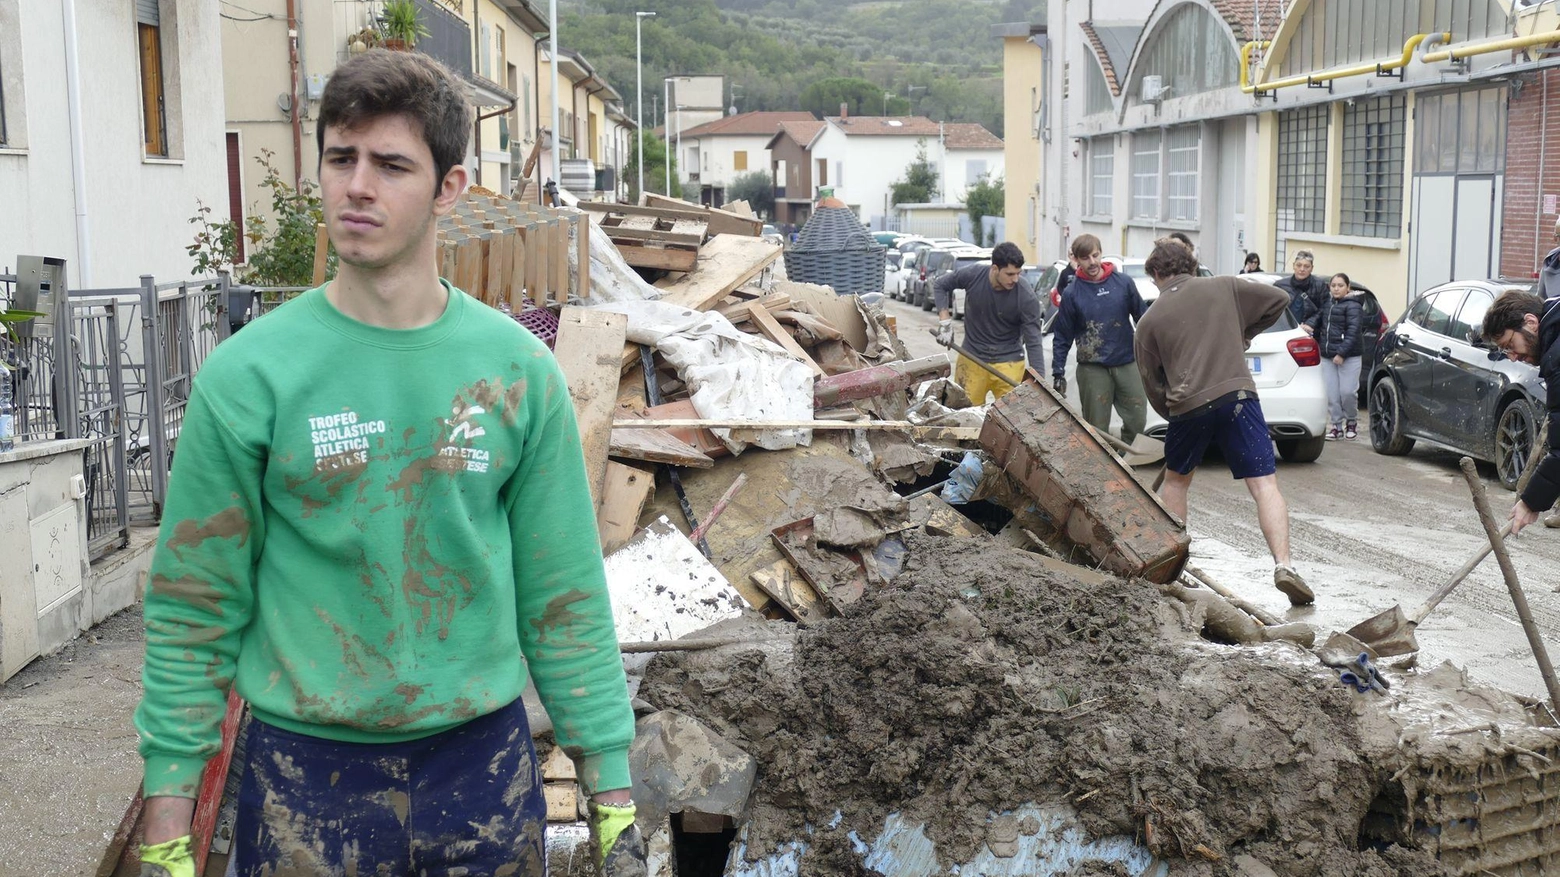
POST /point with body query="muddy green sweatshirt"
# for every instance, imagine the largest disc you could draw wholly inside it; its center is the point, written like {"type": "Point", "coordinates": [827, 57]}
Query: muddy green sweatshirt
{"type": "Point", "coordinates": [373, 533]}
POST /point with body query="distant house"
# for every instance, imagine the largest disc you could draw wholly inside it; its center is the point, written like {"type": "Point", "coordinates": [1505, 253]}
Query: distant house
{"type": "Point", "coordinates": [722, 149]}
{"type": "Point", "coordinates": [860, 158]}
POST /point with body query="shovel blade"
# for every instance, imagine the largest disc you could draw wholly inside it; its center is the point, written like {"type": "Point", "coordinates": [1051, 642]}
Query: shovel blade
{"type": "Point", "coordinates": [1145, 451]}
{"type": "Point", "coordinates": [1389, 633]}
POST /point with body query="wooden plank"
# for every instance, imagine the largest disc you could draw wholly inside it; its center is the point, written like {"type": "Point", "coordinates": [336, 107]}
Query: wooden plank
{"type": "Point", "coordinates": [682, 239]}
{"type": "Point", "coordinates": [631, 392]}
{"type": "Point", "coordinates": [560, 262]}
{"type": "Point", "coordinates": [321, 252]}
{"type": "Point", "coordinates": [633, 225]}
{"type": "Point", "coordinates": [687, 211]}
{"type": "Point", "coordinates": [690, 227]}
{"type": "Point", "coordinates": [725, 263]}
{"type": "Point", "coordinates": [738, 313]}
{"type": "Point", "coordinates": [583, 335]}
{"type": "Point", "coordinates": [766, 323]}
{"type": "Point", "coordinates": [518, 293]}
{"type": "Point", "coordinates": [942, 433]}
{"type": "Point", "coordinates": [493, 282]}
{"type": "Point", "coordinates": [784, 584]}
{"type": "Point", "coordinates": [656, 446]}
{"type": "Point", "coordinates": [623, 498]}
{"type": "Point", "coordinates": [660, 258]}
{"type": "Point", "coordinates": [581, 255]}
{"type": "Point", "coordinates": [558, 766]}
{"type": "Point", "coordinates": [702, 439]}
{"type": "Point", "coordinates": [563, 803]}
{"type": "Point", "coordinates": [721, 221]}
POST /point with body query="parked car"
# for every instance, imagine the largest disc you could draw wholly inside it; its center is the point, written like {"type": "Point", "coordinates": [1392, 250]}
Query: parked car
{"type": "Point", "coordinates": [961, 260]}
{"type": "Point", "coordinates": [772, 234]}
{"type": "Point", "coordinates": [1134, 269]}
{"type": "Point", "coordinates": [1437, 381]}
{"type": "Point", "coordinates": [1285, 364]}
{"type": "Point", "coordinates": [934, 263]}
{"type": "Point", "coordinates": [893, 279]}
{"type": "Point", "coordinates": [1050, 296]}
{"type": "Point", "coordinates": [899, 287]}
{"type": "Point", "coordinates": [1373, 323]}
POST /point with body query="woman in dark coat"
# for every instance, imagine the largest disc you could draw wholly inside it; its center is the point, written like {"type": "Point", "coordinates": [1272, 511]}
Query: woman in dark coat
{"type": "Point", "coordinates": [1336, 327]}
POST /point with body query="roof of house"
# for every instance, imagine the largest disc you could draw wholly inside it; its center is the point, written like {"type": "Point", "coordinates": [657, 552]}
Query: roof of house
{"type": "Point", "coordinates": [803, 132]}
{"type": "Point", "coordinates": [956, 135]}
{"type": "Point", "coordinates": [1112, 45]}
{"type": "Point", "coordinates": [758, 123]}
{"type": "Point", "coordinates": [1243, 17]}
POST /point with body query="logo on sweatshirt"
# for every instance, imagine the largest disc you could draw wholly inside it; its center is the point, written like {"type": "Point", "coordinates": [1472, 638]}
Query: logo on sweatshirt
{"type": "Point", "coordinates": [341, 440]}
{"type": "Point", "coordinates": [465, 430]}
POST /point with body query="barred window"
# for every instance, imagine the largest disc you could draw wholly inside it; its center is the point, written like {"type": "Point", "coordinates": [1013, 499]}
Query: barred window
{"type": "Point", "coordinates": [1302, 174]}
{"type": "Point", "coordinates": [1102, 175]}
{"type": "Point", "coordinates": [1192, 51]}
{"type": "Point", "coordinates": [1145, 175]}
{"type": "Point", "coordinates": [1373, 134]}
{"type": "Point", "coordinates": [1183, 161]}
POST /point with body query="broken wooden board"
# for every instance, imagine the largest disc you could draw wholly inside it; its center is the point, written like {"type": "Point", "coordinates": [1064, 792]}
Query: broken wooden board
{"type": "Point", "coordinates": [784, 584]}
{"type": "Point", "coordinates": [584, 335]}
{"type": "Point", "coordinates": [737, 313]}
{"type": "Point", "coordinates": [702, 439]}
{"type": "Point", "coordinates": [765, 321]}
{"type": "Point", "coordinates": [658, 258]}
{"type": "Point", "coordinates": [721, 221]}
{"type": "Point", "coordinates": [656, 446]}
{"type": "Point", "coordinates": [726, 262]}
{"type": "Point", "coordinates": [930, 433]}
{"type": "Point", "coordinates": [837, 574]}
{"type": "Point", "coordinates": [563, 802]}
{"type": "Point", "coordinates": [624, 493]}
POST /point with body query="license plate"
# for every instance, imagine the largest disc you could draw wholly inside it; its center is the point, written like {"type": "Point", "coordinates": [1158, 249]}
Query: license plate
{"type": "Point", "coordinates": [1255, 364]}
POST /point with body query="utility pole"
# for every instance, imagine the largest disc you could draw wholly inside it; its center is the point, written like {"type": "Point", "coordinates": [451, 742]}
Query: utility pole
{"type": "Point", "coordinates": [552, 42]}
{"type": "Point", "coordinates": [639, 92]}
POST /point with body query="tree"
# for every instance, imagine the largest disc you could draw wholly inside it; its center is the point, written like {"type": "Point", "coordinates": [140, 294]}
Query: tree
{"type": "Point", "coordinates": [920, 180]}
{"type": "Point", "coordinates": [860, 97]}
{"type": "Point", "coordinates": [757, 189]}
{"type": "Point", "coordinates": [985, 198]}
{"type": "Point", "coordinates": [655, 167]}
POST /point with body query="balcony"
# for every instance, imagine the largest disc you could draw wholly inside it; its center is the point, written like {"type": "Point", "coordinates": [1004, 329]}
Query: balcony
{"type": "Point", "coordinates": [449, 37]}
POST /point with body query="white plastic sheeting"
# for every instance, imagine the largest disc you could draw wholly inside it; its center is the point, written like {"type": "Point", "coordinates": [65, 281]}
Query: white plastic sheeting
{"type": "Point", "coordinates": [731, 375]}
{"type": "Point", "coordinates": [611, 278]}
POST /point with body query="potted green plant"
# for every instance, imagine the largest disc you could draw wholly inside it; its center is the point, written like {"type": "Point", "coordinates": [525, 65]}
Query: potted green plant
{"type": "Point", "coordinates": [363, 40]}
{"type": "Point", "coordinates": [400, 25]}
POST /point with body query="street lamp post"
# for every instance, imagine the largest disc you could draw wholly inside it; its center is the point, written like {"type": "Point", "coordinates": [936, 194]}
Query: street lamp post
{"type": "Point", "coordinates": [666, 86]}
{"type": "Point", "coordinates": [639, 92]}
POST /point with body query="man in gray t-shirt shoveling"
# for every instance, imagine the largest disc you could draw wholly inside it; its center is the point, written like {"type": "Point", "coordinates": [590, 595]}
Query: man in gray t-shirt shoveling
{"type": "Point", "coordinates": [1001, 322]}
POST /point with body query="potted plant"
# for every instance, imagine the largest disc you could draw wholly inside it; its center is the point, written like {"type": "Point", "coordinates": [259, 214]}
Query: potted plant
{"type": "Point", "coordinates": [363, 40]}
{"type": "Point", "coordinates": [400, 25]}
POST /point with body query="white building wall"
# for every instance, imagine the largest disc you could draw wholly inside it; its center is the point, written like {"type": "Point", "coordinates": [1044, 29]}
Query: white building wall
{"type": "Point", "coordinates": [872, 164]}
{"type": "Point", "coordinates": [956, 165]}
{"type": "Point", "coordinates": [138, 209]}
{"type": "Point", "coordinates": [717, 161]}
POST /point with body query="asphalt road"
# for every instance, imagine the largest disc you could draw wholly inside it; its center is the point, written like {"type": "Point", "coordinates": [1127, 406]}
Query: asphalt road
{"type": "Point", "coordinates": [1367, 532]}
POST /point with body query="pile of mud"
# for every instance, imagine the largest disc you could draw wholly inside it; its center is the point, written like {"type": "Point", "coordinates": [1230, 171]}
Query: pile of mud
{"type": "Point", "coordinates": [982, 680]}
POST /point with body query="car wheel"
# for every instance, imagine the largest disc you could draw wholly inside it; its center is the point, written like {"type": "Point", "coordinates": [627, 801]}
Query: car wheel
{"type": "Point", "coordinates": [926, 303]}
{"type": "Point", "coordinates": [1515, 433]}
{"type": "Point", "coordinates": [1386, 420]}
{"type": "Point", "coordinates": [1305, 450]}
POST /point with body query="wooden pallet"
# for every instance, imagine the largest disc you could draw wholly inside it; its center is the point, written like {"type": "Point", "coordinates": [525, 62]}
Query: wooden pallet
{"type": "Point", "coordinates": [504, 251]}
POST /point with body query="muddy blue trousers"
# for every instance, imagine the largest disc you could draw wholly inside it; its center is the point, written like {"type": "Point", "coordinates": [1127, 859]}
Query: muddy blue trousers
{"type": "Point", "coordinates": [467, 801]}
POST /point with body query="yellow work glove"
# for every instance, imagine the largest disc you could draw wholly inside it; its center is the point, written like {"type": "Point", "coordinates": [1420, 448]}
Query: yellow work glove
{"type": "Point", "coordinates": [168, 859]}
{"type": "Point", "coordinates": [618, 848]}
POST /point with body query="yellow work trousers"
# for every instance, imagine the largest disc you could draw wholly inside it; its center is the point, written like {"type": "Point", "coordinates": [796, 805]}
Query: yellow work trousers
{"type": "Point", "coordinates": [976, 380]}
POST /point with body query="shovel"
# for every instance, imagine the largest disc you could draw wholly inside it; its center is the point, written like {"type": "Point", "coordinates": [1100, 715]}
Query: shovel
{"type": "Point", "coordinates": [1143, 450]}
{"type": "Point", "coordinates": [1392, 632]}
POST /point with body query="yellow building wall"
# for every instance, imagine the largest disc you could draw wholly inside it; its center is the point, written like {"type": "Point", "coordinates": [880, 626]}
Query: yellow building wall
{"type": "Point", "coordinates": [1264, 170]}
{"type": "Point", "coordinates": [1022, 86]}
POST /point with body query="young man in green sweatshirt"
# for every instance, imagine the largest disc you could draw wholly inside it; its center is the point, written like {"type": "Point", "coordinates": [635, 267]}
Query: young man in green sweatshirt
{"type": "Point", "coordinates": [378, 520]}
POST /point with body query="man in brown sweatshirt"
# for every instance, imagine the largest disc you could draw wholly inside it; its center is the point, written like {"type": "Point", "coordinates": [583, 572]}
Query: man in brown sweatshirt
{"type": "Point", "coordinates": [1190, 349]}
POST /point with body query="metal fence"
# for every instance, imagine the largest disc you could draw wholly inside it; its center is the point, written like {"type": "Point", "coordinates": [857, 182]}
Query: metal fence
{"type": "Point", "coordinates": [117, 366]}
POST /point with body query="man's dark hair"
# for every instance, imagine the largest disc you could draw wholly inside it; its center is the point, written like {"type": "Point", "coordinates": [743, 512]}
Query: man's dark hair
{"type": "Point", "coordinates": [1085, 244]}
{"type": "Point", "coordinates": [1007, 255]}
{"type": "Point", "coordinates": [1170, 258]}
{"type": "Point", "coordinates": [1508, 314]}
{"type": "Point", "coordinates": [380, 82]}
{"type": "Point", "coordinates": [1177, 236]}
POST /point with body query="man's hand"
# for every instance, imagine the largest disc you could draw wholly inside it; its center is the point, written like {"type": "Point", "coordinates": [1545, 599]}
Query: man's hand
{"type": "Point", "coordinates": [616, 843]}
{"type": "Point", "coordinates": [169, 859]}
{"type": "Point", "coordinates": [945, 332]}
{"type": "Point", "coordinates": [1338, 360]}
{"type": "Point", "coordinates": [1305, 327]}
{"type": "Point", "coordinates": [1521, 516]}
{"type": "Point", "coordinates": [1059, 384]}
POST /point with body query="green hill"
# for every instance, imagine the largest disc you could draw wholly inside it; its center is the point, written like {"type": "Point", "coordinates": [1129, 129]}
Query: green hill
{"type": "Point", "coordinates": [936, 57]}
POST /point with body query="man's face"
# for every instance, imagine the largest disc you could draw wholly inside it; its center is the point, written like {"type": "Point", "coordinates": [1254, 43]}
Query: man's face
{"type": "Point", "coordinates": [1004, 279]}
{"type": "Point", "coordinates": [1303, 268]}
{"type": "Point", "coordinates": [1521, 345]}
{"type": "Point", "coordinates": [1089, 266]}
{"type": "Point", "coordinates": [379, 192]}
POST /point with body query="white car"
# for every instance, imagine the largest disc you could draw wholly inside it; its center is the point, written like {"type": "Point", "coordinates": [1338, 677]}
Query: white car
{"type": "Point", "coordinates": [1285, 364]}
{"type": "Point", "coordinates": [1135, 271]}
{"type": "Point", "coordinates": [893, 275]}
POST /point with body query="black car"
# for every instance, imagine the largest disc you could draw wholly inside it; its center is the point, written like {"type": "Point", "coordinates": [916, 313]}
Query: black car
{"type": "Point", "coordinates": [933, 264]}
{"type": "Point", "coordinates": [1436, 380]}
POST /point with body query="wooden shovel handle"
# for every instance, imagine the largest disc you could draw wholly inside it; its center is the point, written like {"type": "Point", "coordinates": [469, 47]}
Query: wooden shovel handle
{"type": "Point", "coordinates": [1435, 599]}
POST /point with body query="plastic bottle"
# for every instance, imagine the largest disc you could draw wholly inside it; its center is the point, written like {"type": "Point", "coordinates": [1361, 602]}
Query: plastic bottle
{"type": "Point", "coordinates": [7, 411]}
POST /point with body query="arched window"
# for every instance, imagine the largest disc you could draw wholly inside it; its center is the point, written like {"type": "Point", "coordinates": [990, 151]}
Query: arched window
{"type": "Point", "coordinates": [1334, 33]}
{"type": "Point", "coordinates": [1191, 50]}
{"type": "Point", "coordinates": [1096, 90]}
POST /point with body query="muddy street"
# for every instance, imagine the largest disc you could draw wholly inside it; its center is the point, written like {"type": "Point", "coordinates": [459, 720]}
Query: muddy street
{"type": "Point", "coordinates": [1368, 531]}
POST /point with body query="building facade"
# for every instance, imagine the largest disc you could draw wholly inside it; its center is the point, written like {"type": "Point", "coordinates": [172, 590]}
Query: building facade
{"type": "Point", "coordinates": [1376, 135]}
{"type": "Point", "coordinates": [110, 135]}
{"type": "Point", "coordinates": [729, 147]}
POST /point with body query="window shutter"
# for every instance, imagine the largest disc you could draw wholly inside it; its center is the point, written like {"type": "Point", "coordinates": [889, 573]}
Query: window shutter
{"type": "Point", "coordinates": [146, 12]}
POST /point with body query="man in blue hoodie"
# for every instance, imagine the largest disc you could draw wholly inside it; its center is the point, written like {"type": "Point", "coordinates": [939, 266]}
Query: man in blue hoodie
{"type": "Point", "coordinates": [1097, 312]}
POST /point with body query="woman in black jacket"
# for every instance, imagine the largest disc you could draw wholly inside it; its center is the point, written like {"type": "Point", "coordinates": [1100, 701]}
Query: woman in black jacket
{"type": "Point", "coordinates": [1336, 327]}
